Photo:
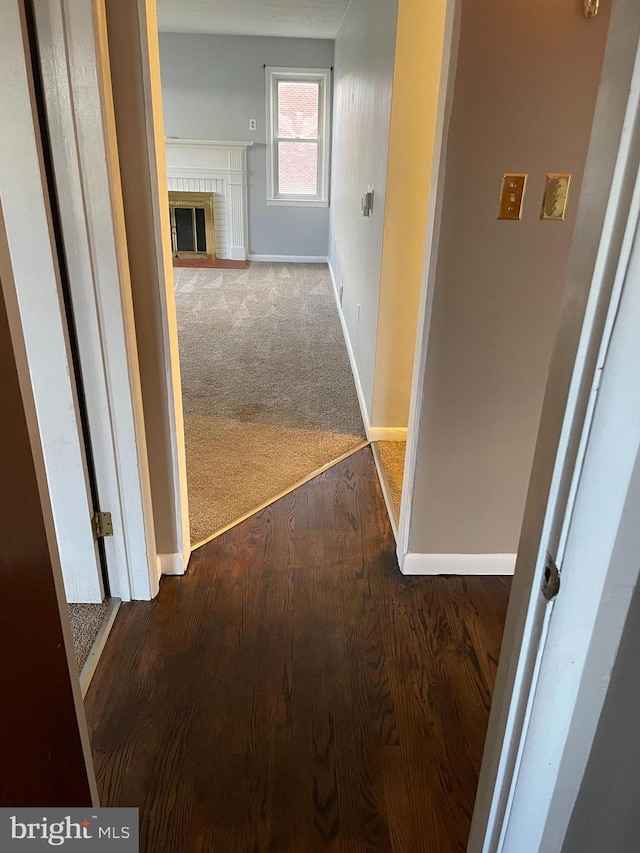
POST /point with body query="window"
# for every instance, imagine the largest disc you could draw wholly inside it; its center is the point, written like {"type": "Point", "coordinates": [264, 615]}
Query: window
{"type": "Point", "coordinates": [298, 136]}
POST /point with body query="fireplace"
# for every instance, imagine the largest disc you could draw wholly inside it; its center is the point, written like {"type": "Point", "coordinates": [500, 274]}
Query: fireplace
{"type": "Point", "coordinates": [192, 228]}
{"type": "Point", "coordinates": [217, 170]}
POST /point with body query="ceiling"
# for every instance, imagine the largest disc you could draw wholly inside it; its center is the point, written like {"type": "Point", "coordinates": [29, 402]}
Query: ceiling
{"type": "Point", "coordinates": [291, 18]}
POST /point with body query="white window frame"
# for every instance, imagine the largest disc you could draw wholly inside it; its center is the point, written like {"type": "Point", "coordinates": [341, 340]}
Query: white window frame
{"type": "Point", "coordinates": [322, 76]}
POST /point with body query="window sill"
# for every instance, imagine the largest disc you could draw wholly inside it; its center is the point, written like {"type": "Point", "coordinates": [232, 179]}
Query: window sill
{"type": "Point", "coordinates": [294, 202]}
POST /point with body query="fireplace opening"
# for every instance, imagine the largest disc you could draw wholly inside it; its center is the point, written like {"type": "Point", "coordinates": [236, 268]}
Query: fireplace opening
{"type": "Point", "coordinates": [192, 229]}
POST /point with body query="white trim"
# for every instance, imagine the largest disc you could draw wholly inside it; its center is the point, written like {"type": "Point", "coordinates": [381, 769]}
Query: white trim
{"type": "Point", "coordinates": [288, 259]}
{"type": "Point", "coordinates": [157, 176]}
{"type": "Point", "coordinates": [86, 171]}
{"type": "Point", "coordinates": [91, 663]}
{"type": "Point", "coordinates": [458, 564]}
{"type": "Point", "coordinates": [30, 279]}
{"type": "Point", "coordinates": [172, 142]}
{"type": "Point", "coordinates": [384, 486]}
{"type": "Point", "coordinates": [16, 92]}
{"type": "Point", "coordinates": [376, 433]}
{"type": "Point", "coordinates": [387, 433]}
{"type": "Point", "coordinates": [599, 573]}
{"type": "Point", "coordinates": [173, 564]}
{"type": "Point", "coordinates": [298, 202]}
{"type": "Point", "coordinates": [352, 358]}
{"type": "Point", "coordinates": [436, 189]}
{"type": "Point", "coordinates": [322, 76]}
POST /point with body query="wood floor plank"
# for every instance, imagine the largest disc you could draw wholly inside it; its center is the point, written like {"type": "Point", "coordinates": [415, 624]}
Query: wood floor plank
{"type": "Point", "coordinates": [294, 692]}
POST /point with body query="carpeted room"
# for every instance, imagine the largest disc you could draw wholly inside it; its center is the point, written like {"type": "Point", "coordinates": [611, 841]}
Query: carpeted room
{"type": "Point", "coordinates": [268, 393]}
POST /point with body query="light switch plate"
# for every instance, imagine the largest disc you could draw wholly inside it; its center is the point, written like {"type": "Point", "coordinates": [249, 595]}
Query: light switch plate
{"type": "Point", "coordinates": [556, 193]}
{"type": "Point", "coordinates": [512, 196]}
{"type": "Point", "coordinates": [366, 206]}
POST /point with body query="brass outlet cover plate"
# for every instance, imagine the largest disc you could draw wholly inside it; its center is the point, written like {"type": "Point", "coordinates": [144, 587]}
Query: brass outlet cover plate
{"type": "Point", "coordinates": [512, 196]}
{"type": "Point", "coordinates": [556, 193]}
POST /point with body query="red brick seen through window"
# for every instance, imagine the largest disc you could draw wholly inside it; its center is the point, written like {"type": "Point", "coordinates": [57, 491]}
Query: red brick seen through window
{"type": "Point", "coordinates": [298, 120]}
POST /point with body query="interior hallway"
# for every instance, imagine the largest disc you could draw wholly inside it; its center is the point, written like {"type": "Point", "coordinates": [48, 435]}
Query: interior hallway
{"type": "Point", "coordinates": [268, 393]}
{"type": "Point", "coordinates": [294, 692]}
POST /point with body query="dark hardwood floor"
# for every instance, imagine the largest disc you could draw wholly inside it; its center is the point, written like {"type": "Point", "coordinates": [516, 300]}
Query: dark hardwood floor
{"type": "Point", "coordinates": [294, 692]}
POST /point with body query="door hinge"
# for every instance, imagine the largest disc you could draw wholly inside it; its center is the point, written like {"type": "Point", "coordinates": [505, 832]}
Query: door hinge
{"type": "Point", "coordinates": [102, 525]}
{"type": "Point", "coordinates": [551, 580]}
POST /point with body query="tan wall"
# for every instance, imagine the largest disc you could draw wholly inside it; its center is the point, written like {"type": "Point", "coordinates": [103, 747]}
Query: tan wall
{"type": "Point", "coordinates": [416, 84]}
{"type": "Point", "coordinates": [524, 96]}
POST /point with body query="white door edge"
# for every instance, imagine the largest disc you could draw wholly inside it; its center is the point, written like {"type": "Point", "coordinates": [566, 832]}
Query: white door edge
{"type": "Point", "coordinates": [436, 188]}
{"type": "Point", "coordinates": [548, 506]}
{"type": "Point", "coordinates": [86, 167]}
{"type": "Point", "coordinates": [150, 53]}
{"type": "Point", "coordinates": [31, 282]}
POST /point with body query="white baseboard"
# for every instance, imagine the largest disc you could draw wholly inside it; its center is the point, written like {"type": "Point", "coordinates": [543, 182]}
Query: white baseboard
{"type": "Point", "coordinates": [289, 259]}
{"type": "Point", "coordinates": [237, 253]}
{"type": "Point", "coordinates": [352, 358]}
{"type": "Point", "coordinates": [99, 643]}
{"type": "Point", "coordinates": [172, 564]}
{"type": "Point", "coordinates": [387, 433]}
{"type": "Point", "coordinates": [458, 564]}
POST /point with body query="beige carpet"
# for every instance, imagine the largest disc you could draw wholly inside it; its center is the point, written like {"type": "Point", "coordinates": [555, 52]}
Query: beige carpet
{"type": "Point", "coordinates": [391, 455]}
{"type": "Point", "coordinates": [267, 388]}
{"type": "Point", "coordinates": [86, 620]}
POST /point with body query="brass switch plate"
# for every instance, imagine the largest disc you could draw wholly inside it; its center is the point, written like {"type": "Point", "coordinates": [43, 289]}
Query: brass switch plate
{"type": "Point", "coordinates": [512, 196]}
{"type": "Point", "coordinates": [556, 193]}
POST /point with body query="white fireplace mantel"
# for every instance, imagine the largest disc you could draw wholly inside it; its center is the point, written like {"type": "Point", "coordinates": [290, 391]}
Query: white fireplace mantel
{"type": "Point", "coordinates": [203, 165]}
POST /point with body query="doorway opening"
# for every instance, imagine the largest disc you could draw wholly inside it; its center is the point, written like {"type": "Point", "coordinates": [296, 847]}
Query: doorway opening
{"type": "Point", "coordinates": [268, 396]}
{"type": "Point", "coordinates": [415, 556]}
{"type": "Point", "coordinates": [347, 517]}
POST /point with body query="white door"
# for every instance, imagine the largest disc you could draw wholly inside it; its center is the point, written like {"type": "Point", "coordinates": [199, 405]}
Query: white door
{"type": "Point", "coordinates": [545, 648]}
{"type": "Point", "coordinates": [73, 57]}
{"type": "Point", "coordinates": [598, 552]}
{"type": "Point", "coordinates": [31, 282]}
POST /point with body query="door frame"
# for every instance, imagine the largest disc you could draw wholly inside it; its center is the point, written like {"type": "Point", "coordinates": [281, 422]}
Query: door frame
{"type": "Point", "coordinates": [605, 201]}
{"type": "Point", "coordinates": [35, 286]}
{"type": "Point", "coordinates": [451, 38]}
{"type": "Point", "coordinates": [135, 87]}
{"type": "Point", "coordinates": [85, 163]}
{"type": "Point", "coordinates": [597, 555]}
{"type": "Point", "coordinates": [538, 634]}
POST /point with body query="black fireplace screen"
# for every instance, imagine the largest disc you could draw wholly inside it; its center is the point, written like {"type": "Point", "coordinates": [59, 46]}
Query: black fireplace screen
{"type": "Point", "coordinates": [188, 229]}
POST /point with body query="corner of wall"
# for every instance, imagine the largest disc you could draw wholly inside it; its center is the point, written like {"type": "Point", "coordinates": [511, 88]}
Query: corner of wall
{"type": "Point", "coordinates": [458, 564]}
{"type": "Point", "coordinates": [364, 411]}
{"type": "Point", "coordinates": [172, 564]}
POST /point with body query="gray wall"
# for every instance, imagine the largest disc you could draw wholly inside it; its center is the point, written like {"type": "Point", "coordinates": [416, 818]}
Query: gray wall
{"type": "Point", "coordinates": [363, 78]}
{"type": "Point", "coordinates": [523, 101]}
{"type": "Point", "coordinates": [211, 87]}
